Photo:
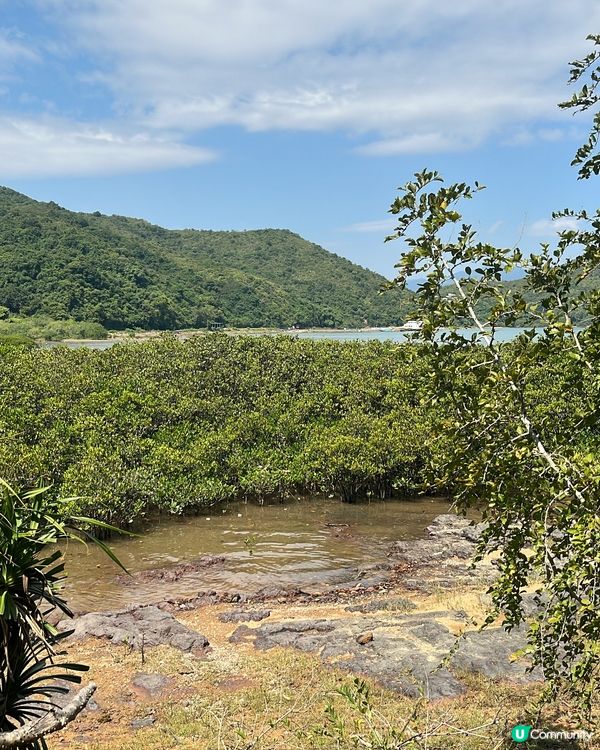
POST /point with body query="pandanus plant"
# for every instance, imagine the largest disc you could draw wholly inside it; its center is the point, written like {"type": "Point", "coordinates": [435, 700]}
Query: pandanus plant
{"type": "Point", "coordinates": [32, 670]}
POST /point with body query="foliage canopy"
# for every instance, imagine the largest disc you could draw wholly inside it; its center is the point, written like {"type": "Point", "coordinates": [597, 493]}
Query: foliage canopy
{"type": "Point", "coordinates": [538, 487]}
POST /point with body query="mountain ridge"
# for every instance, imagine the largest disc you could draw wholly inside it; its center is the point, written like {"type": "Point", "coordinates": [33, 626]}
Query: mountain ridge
{"type": "Point", "coordinates": [122, 272]}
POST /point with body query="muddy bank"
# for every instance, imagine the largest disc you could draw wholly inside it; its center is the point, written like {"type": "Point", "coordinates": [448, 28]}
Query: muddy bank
{"type": "Point", "coordinates": [370, 633]}
{"type": "Point", "coordinates": [442, 559]}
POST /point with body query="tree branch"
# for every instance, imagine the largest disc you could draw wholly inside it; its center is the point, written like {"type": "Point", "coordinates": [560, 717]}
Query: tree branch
{"type": "Point", "coordinates": [52, 721]}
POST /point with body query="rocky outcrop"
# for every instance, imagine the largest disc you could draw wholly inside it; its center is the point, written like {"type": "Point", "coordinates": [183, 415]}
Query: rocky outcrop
{"type": "Point", "coordinates": [138, 628]}
{"type": "Point", "coordinates": [444, 557]}
{"type": "Point", "coordinates": [403, 652]}
{"type": "Point", "coordinates": [449, 537]}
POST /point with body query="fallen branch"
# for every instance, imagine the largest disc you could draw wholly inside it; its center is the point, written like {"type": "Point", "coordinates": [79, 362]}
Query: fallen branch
{"type": "Point", "coordinates": [52, 721]}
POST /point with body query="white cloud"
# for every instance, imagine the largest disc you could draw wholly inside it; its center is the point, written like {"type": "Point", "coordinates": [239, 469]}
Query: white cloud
{"type": "Point", "coordinates": [377, 227]}
{"type": "Point", "coordinates": [418, 143]}
{"type": "Point", "coordinates": [12, 50]}
{"type": "Point", "coordinates": [419, 76]}
{"type": "Point", "coordinates": [526, 136]}
{"type": "Point", "coordinates": [547, 228]}
{"type": "Point", "coordinates": [400, 78]}
{"type": "Point", "coordinates": [49, 147]}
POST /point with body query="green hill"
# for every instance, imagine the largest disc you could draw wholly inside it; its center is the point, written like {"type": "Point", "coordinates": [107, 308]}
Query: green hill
{"type": "Point", "coordinates": [126, 273]}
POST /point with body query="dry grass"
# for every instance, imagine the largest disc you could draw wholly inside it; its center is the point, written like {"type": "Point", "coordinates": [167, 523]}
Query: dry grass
{"type": "Point", "coordinates": [243, 699]}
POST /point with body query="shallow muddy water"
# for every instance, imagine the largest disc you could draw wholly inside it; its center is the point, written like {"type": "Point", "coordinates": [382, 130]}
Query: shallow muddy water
{"type": "Point", "coordinates": [304, 542]}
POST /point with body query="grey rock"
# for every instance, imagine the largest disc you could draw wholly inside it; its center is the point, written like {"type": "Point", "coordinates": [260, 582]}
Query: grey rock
{"type": "Point", "coordinates": [399, 604]}
{"type": "Point", "coordinates": [533, 604]}
{"type": "Point", "coordinates": [403, 652]}
{"type": "Point", "coordinates": [141, 627]}
{"type": "Point", "coordinates": [444, 558]}
{"type": "Point", "coordinates": [432, 632]}
{"type": "Point", "coordinates": [150, 684]}
{"type": "Point", "coordinates": [240, 615]}
{"type": "Point", "coordinates": [488, 652]}
{"type": "Point", "coordinates": [183, 641]}
{"type": "Point", "coordinates": [145, 721]}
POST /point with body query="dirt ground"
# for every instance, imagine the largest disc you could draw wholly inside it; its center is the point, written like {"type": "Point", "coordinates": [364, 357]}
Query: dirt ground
{"type": "Point", "coordinates": [240, 698]}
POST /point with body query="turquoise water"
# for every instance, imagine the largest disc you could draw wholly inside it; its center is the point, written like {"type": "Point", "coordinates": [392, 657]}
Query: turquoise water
{"type": "Point", "coordinates": [502, 334]}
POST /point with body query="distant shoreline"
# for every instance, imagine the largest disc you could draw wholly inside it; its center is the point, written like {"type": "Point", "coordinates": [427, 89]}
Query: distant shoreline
{"type": "Point", "coordinates": [377, 332]}
{"type": "Point", "coordinates": [185, 333]}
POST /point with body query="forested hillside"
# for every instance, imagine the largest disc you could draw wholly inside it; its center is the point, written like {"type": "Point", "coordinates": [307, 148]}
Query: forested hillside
{"type": "Point", "coordinates": [126, 273]}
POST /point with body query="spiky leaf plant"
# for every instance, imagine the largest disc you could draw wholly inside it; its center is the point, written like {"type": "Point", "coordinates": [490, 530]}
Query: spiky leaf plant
{"type": "Point", "coordinates": [31, 578]}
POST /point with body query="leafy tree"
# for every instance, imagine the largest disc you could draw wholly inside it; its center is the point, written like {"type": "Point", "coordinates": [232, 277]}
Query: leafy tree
{"type": "Point", "coordinates": [529, 462]}
{"type": "Point", "coordinates": [180, 425]}
{"type": "Point", "coordinates": [586, 98]}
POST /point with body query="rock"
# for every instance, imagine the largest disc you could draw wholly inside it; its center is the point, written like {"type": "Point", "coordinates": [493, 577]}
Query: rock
{"type": "Point", "coordinates": [242, 634]}
{"type": "Point", "coordinates": [150, 685]}
{"type": "Point", "coordinates": [405, 650]}
{"type": "Point", "coordinates": [141, 627]}
{"type": "Point", "coordinates": [146, 721]}
{"type": "Point", "coordinates": [399, 604]}
{"type": "Point", "coordinates": [430, 631]}
{"type": "Point", "coordinates": [183, 641]}
{"type": "Point", "coordinates": [300, 634]}
{"type": "Point", "coordinates": [444, 559]}
{"type": "Point", "coordinates": [488, 652]}
{"type": "Point", "coordinates": [275, 592]}
{"type": "Point", "coordinates": [533, 604]}
{"type": "Point", "coordinates": [172, 573]}
{"type": "Point", "coordinates": [240, 615]}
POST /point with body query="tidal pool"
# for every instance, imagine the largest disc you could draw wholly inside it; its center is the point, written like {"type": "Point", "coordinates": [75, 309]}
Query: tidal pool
{"type": "Point", "coordinates": [304, 542]}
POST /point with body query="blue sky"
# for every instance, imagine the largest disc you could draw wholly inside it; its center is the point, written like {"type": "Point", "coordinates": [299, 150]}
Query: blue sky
{"type": "Point", "coordinates": [293, 113]}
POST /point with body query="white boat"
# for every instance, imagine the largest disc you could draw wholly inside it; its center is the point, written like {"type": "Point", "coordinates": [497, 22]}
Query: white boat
{"type": "Point", "coordinates": [412, 325]}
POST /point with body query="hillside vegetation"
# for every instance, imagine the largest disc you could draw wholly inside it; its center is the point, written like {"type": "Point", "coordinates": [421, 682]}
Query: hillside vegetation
{"type": "Point", "coordinates": [120, 273]}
